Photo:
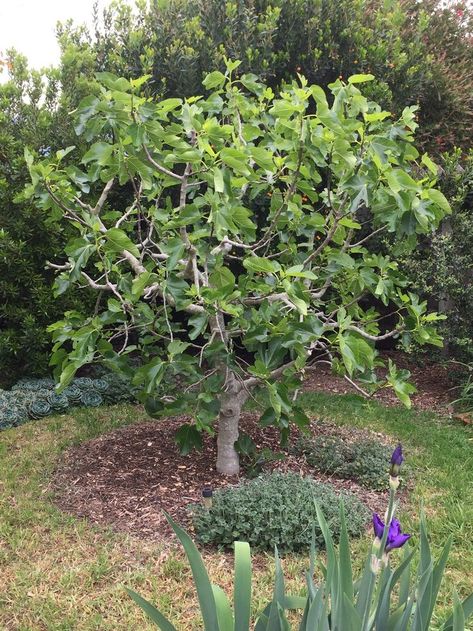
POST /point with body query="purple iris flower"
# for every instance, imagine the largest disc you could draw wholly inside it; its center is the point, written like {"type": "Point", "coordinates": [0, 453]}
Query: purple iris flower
{"type": "Point", "coordinates": [396, 461]}
{"type": "Point", "coordinates": [395, 538]}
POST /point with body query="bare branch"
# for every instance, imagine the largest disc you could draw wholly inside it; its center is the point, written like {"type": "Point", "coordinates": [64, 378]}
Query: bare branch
{"type": "Point", "coordinates": [357, 387]}
{"type": "Point", "coordinates": [375, 338]}
{"type": "Point", "coordinates": [103, 197]}
{"type": "Point", "coordinates": [355, 245]}
{"type": "Point", "coordinates": [155, 288]}
{"type": "Point", "coordinates": [281, 297]}
{"type": "Point", "coordinates": [101, 287]}
{"type": "Point", "coordinates": [65, 266]}
{"type": "Point", "coordinates": [159, 167]}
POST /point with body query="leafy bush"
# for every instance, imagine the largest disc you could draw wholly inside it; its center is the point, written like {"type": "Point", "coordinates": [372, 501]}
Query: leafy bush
{"type": "Point", "coordinates": [363, 460]}
{"type": "Point", "coordinates": [420, 52]}
{"type": "Point", "coordinates": [276, 509]}
{"type": "Point", "coordinates": [440, 266]}
{"type": "Point", "coordinates": [29, 115]}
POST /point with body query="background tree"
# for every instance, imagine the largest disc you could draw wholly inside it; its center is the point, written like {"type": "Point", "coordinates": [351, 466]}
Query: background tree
{"type": "Point", "coordinates": [420, 53]}
{"type": "Point", "coordinates": [441, 266]}
{"type": "Point", "coordinates": [29, 114]}
{"type": "Point", "coordinates": [241, 259]}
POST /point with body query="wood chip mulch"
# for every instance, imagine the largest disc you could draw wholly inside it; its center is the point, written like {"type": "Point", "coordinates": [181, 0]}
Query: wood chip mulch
{"type": "Point", "coordinates": [124, 479]}
{"type": "Point", "coordinates": [434, 383]}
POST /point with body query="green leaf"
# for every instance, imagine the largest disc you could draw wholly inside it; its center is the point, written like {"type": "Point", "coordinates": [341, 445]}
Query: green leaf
{"type": "Point", "coordinates": [214, 79]}
{"type": "Point", "coordinates": [68, 374]}
{"type": "Point", "coordinates": [111, 81]}
{"type": "Point", "coordinates": [118, 241]}
{"type": "Point", "coordinates": [317, 615]}
{"type": "Point", "coordinates": [242, 586]}
{"type": "Point", "coordinates": [201, 579]}
{"type": "Point", "coordinates": [252, 83]}
{"type": "Point", "coordinates": [458, 614]}
{"type": "Point", "coordinates": [440, 200]}
{"type": "Point", "coordinates": [297, 271]}
{"type": "Point", "coordinates": [139, 283]}
{"type": "Point", "coordinates": [177, 347]}
{"type": "Point", "coordinates": [263, 158]}
{"type": "Point", "coordinates": [150, 375]}
{"type": "Point", "coordinates": [219, 184]}
{"type": "Point", "coordinates": [198, 323]}
{"type": "Point", "coordinates": [236, 159]}
{"type": "Point", "coordinates": [284, 109]}
{"type": "Point", "coordinates": [399, 180]}
{"type": "Point", "coordinates": [346, 575]}
{"type": "Point", "coordinates": [150, 610]}
{"type": "Point", "coordinates": [224, 611]}
{"type": "Point", "coordinates": [467, 606]}
{"type": "Point", "coordinates": [275, 623]}
{"type": "Point", "coordinates": [375, 117]}
{"type": "Point", "coordinates": [429, 164]}
{"type": "Point", "coordinates": [100, 152]}
{"type": "Point", "coordinates": [222, 278]}
{"type": "Point", "coordinates": [360, 78]}
{"type": "Point", "coordinates": [261, 264]}
{"type": "Point", "coordinates": [188, 438]}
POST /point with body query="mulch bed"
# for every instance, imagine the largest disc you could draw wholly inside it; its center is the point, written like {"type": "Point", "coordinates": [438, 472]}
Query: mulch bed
{"type": "Point", "coordinates": [126, 478]}
{"type": "Point", "coordinates": [434, 383]}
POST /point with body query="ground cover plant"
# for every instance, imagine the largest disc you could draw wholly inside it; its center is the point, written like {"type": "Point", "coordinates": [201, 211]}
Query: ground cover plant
{"type": "Point", "coordinates": [61, 573]}
{"type": "Point", "coordinates": [361, 460]}
{"type": "Point", "coordinates": [31, 399]}
{"type": "Point", "coordinates": [275, 509]}
{"type": "Point", "coordinates": [241, 261]}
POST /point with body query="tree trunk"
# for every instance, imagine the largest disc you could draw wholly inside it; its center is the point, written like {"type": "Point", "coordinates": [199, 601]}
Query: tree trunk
{"type": "Point", "coordinates": [231, 403]}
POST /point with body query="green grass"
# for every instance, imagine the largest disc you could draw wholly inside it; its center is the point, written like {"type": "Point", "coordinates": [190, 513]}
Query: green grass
{"type": "Point", "coordinates": [60, 574]}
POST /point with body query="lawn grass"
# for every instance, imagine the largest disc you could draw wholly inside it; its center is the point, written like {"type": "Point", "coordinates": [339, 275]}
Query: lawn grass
{"type": "Point", "coordinates": [59, 573]}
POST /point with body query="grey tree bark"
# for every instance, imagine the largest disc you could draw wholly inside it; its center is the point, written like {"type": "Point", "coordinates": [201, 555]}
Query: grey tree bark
{"type": "Point", "coordinates": [232, 401]}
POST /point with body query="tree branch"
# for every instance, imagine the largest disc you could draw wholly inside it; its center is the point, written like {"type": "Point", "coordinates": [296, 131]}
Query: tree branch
{"type": "Point", "coordinates": [159, 167]}
{"type": "Point", "coordinates": [103, 197]}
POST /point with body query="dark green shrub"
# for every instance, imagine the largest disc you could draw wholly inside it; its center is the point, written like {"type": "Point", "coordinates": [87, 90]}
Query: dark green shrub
{"type": "Point", "coordinates": [275, 510]}
{"type": "Point", "coordinates": [419, 51]}
{"type": "Point", "coordinates": [364, 461]}
{"type": "Point", "coordinates": [440, 267]}
{"type": "Point", "coordinates": [30, 115]}
{"type": "Point", "coordinates": [119, 389]}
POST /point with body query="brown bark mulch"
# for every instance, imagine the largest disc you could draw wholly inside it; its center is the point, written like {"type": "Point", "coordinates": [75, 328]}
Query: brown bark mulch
{"type": "Point", "coordinates": [126, 478]}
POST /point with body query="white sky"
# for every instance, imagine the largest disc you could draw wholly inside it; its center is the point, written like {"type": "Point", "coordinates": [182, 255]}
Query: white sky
{"type": "Point", "coordinates": [29, 26]}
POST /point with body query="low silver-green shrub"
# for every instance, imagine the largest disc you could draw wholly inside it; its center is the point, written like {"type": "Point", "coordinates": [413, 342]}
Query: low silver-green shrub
{"type": "Point", "coordinates": [275, 509]}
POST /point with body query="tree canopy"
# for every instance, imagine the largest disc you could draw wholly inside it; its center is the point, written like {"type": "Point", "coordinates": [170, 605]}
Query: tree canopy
{"type": "Point", "coordinates": [241, 260]}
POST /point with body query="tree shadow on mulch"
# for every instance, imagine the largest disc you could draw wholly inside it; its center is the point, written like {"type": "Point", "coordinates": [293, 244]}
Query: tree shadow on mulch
{"type": "Point", "coordinates": [127, 478]}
